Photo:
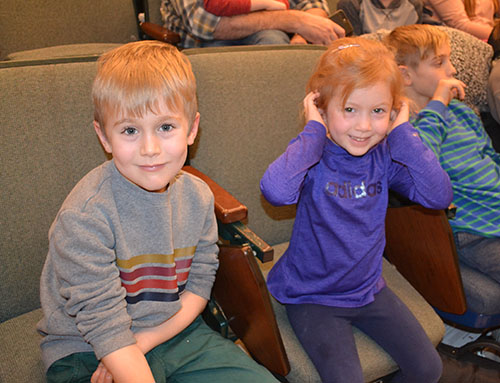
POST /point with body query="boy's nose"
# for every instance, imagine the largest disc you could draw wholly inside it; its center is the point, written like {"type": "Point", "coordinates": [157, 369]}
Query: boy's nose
{"type": "Point", "coordinates": [150, 146]}
{"type": "Point", "coordinates": [452, 71]}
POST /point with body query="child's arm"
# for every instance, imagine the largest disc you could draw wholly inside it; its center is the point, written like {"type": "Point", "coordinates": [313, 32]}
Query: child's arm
{"type": "Point", "coordinates": [284, 178]}
{"type": "Point", "coordinates": [81, 245]}
{"type": "Point", "coordinates": [127, 364]}
{"type": "Point", "coordinates": [449, 89]}
{"type": "Point", "coordinates": [415, 171]}
{"type": "Point", "coordinates": [240, 7]}
{"type": "Point", "coordinates": [399, 116]}
{"type": "Point", "coordinates": [115, 366]}
{"type": "Point", "coordinates": [192, 306]}
{"type": "Point", "coordinates": [430, 121]}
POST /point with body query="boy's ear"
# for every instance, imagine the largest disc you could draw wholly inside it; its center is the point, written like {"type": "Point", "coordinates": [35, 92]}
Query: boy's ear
{"type": "Point", "coordinates": [102, 137]}
{"type": "Point", "coordinates": [194, 129]}
{"type": "Point", "coordinates": [406, 74]}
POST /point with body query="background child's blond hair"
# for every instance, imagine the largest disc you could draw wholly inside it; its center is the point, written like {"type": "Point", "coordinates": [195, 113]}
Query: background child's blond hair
{"type": "Point", "coordinates": [135, 77]}
{"type": "Point", "coordinates": [353, 63]}
{"type": "Point", "coordinates": [413, 43]}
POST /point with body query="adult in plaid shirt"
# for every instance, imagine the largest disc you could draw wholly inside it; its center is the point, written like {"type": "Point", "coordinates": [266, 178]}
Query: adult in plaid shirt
{"type": "Point", "coordinates": [305, 22]}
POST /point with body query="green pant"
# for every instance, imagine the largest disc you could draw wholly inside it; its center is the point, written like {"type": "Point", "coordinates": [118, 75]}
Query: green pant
{"type": "Point", "coordinates": [198, 354]}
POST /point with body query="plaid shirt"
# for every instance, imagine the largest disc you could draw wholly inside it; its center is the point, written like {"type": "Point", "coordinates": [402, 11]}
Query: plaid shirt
{"type": "Point", "coordinates": [189, 19]}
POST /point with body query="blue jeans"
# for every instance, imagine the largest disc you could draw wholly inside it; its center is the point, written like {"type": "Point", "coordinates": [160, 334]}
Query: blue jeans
{"type": "Point", "coordinates": [480, 253]}
{"type": "Point", "coordinates": [265, 37]}
{"type": "Point", "coordinates": [326, 334]}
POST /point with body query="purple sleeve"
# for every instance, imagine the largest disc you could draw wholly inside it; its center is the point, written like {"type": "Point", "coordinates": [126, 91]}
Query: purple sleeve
{"type": "Point", "coordinates": [415, 171]}
{"type": "Point", "coordinates": [283, 179]}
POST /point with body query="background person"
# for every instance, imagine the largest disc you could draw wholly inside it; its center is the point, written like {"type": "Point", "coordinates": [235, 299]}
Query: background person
{"type": "Point", "coordinates": [305, 22]}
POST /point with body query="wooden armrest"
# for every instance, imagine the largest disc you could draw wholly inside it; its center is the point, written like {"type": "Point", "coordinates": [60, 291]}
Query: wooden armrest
{"type": "Point", "coordinates": [227, 208]}
{"type": "Point", "coordinates": [420, 244]}
{"type": "Point", "coordinates": [160, 33]}
{"type": "Point", "coordinates": [238, 233]}
{"type": "Point", "coordinates": [241, 292]}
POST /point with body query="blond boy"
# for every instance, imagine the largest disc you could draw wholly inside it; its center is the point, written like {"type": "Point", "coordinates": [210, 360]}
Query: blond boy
{"type": "Point", "coordinates": [132, 253]}
{"type": "Point", "coordinates": [457, 137]}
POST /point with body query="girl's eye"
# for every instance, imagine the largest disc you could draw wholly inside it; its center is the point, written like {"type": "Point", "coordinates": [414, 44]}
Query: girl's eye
{"type": "Point", "coordinates": [129, 131]}
{"type": "Point", "coordinates": [166, 127]}
{"type": "Point", "coordinates": [378, 110]}
{"type": "Point", "coordinates": [348, 109]}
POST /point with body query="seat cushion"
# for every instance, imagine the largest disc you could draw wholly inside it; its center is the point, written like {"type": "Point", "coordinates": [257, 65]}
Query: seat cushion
{"type": "Point", "coordinates": [19, 347]}
{"type": "Point", "coordinates": [375, 362]}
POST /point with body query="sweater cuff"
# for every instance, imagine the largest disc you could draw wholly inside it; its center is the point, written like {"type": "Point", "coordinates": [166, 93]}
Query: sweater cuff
{"type": "Point", "coordinates": [113, 343]}
{"type": "Point", "coordinates": [436, 106]}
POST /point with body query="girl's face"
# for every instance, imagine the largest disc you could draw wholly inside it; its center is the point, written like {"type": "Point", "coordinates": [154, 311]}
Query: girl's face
{"type": "Point", "coordinates": [363, 122]}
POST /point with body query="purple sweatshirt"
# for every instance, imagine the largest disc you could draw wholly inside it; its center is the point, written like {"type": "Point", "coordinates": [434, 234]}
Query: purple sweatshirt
{"type": "Point", "coordinates": [338, 239]}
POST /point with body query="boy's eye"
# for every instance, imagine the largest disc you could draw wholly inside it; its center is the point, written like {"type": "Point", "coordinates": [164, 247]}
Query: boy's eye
{"type": "Point", "coordinates": [438, 62]}
{"type": "Point", "coordinates": [166, 127]}
{"type": "Point", "coordinates": [129, 131]}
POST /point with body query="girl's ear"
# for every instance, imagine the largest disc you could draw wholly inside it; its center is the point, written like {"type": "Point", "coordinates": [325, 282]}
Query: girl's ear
{"type": "Point", "coordinates": [323, 115]}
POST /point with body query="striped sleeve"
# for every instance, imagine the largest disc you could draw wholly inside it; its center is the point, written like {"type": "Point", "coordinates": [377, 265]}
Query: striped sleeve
{"type": "Point", "coordinates": [457, 136]}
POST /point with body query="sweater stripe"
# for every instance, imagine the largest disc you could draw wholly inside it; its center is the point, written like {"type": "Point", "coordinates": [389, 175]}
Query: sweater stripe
{"type": "Point", "coordinates": [157, 277]}
{"type": "Point", "coordinates": [154, 296]}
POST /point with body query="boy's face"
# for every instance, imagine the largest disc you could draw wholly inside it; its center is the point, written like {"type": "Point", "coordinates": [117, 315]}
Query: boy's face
{"type": "Point", "coordinates": [364, 120]}
{"type": "Point", "coordinates": [149, 151]}
{"type": "Point", "coordinates": [424, 79]}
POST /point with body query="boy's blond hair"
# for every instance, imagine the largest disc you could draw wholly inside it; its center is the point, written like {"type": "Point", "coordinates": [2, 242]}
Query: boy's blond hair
{"type": "Point", "coordinates": [134, 78]}
{"type": "Point", "coordinates": [352, 63]}
{"type": "Point", "coordinates": [413, 43]}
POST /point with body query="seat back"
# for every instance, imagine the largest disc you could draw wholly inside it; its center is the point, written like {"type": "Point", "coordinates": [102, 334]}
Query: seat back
{"type": "Point", "coordinates": [420, 244]}
{"type": "Point", "coordinates": [248, 106]}
{"type": "Point", "coordinates": [152, 9]}
{"type": "Point", "coordinates": [48, 144]}
{"type": "Point", "coordinates": [33, 24]}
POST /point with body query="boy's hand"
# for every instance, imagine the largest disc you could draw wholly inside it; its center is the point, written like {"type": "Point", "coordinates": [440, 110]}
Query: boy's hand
{"type": "Point", "coordinates": [311, 111]}
{"type": "Point", "coordinates": [399, 116]}
{"type": "Point", "coordinates": [101, 375]}
{"type": "Point", "coordinates": [449, 89]}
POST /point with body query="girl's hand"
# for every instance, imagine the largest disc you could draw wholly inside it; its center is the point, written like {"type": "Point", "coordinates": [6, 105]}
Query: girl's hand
{"type": "Point", "coordinates": [311, 111]}
{"type": "Point", "coordinates": [101, 375]}
{"type": "Point", "coordinates": [449, 89]}
{"type": "Point", "coordinates": [400, 116]}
